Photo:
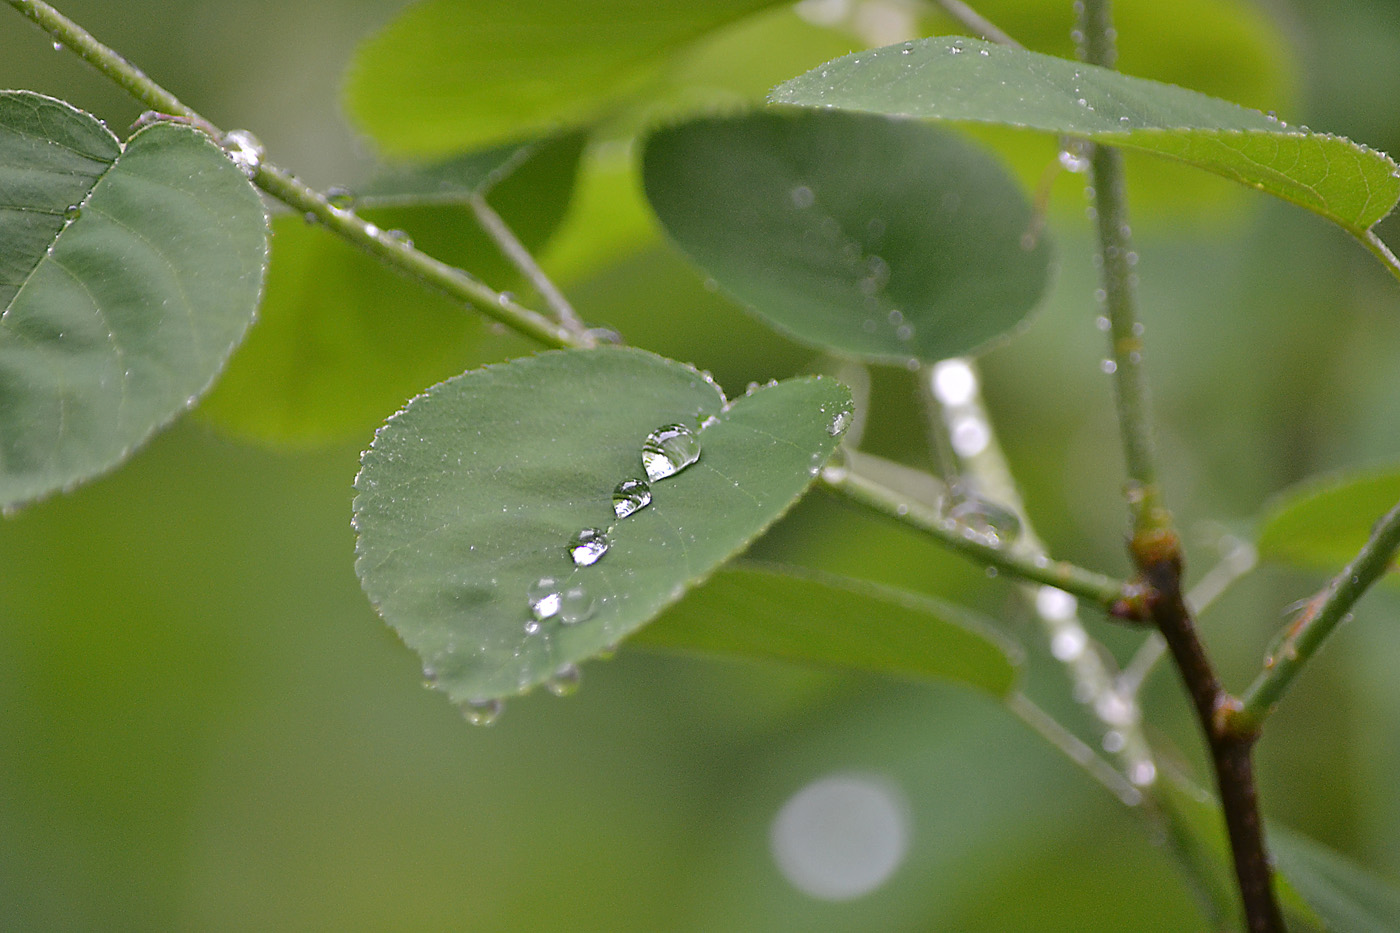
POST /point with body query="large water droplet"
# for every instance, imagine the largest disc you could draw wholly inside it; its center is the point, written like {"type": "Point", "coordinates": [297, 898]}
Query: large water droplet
{"type": "Point", "coordinates": [631, 495]}
{"type": "Point", "coordinates": [589, 546]}
{"type": "Point", "coordinates": [482, 712]}
{"type": "Point", "coordinates": [244, 149]}
{"type": "Point", "coordinates": [565, 680]}
{"type": "Point", "coordinates": [668, 450]}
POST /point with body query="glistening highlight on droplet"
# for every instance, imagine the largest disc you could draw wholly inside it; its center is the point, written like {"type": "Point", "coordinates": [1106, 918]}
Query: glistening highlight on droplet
{"type": "Point", "coordinates": [631, 495]}
{"type": "Point", "coordinates": [589, 546]}
{"type": "Point", "coordinates": [668, 450]}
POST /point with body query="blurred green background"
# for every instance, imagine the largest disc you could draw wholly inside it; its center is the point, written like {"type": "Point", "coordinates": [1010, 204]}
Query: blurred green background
{"type": "Point", "coordinates": [204, 726]}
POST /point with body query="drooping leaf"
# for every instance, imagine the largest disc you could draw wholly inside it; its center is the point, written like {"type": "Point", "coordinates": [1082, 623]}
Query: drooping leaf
{"type": "Point", "coordinates": [974, 81]}
{"type": "Point", "coordinates": [473, 493]}
{"type": "Point", "coordinates": [787, 614]}
{"type": "Point", "coordinates": [128, 273]}
{"type": "Point", "coordinates": [1345, 895]}
{"type": "Point", "coordinates": [449, 74]}
{"type": "Point", "coordinates": [342, 339]}
{"type": "Point", "coordinates": [880, 239]}
{"type": "Point", "coordinates": [1322, 524]}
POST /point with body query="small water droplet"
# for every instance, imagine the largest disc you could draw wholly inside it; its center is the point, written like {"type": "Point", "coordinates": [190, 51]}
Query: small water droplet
{"type": "Point", "coordinates": [340, 197]}
{"type": "Point", "coordinates": [1103, 323]}
{"type": "Point", "coordinates": [995, 522]}
{"type": "Point", "coordinates": [668, 450]}
{"type": "Point", "coordinates": [401, 237]}
{"type": "Point", "coordinates": [544, 598]}
{"type": "Point", "coordinates": [631, 495]}
{"type": "Point", "coordinates": [483, 712]}
{"type": "Point", "coordinates": [802, 197]}
{"type": "Point", "coordinates": [72, 212]}
{"type": "Point", "coordinates": [576, 604]}
{"type": "Point", "coordinates": [373, 230]}
{"type": "Point", "coordinates": [839, 423]}
{"type": "Point", "coordinates": [1072, 158]}
{"type": "Point", "coordinates": [991, 573]}
{"type": "Point", "coordinates": [589, 546]}
{"type": "Point", "coordinates": [983, 52]}
{"type": "Point", "coordinates": [1068, 643]}
{"type": "Point", "coordinates": [1109, 367]}
{"type": "Point", "coordinates": [244, 149]}
{"type": "Point", "coordinates": [904, 333]}
{"type": "Point", "coordinates": [565, 681]}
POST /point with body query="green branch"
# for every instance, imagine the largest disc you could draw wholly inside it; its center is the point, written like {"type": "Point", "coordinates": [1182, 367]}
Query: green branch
{"type": "Point", "coordinates": [1319, 619]}
{"type": "Point", "coordinates": [286, 188]}
{"type": "Point", "coordinates": [972, 543]}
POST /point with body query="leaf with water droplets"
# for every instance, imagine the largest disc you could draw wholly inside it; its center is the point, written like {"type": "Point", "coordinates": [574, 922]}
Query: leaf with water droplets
{"type": "Point", "coordinates": [1323, 523]}
{"type": "Point", "coordinates": [972, 81]}
{"type": "Point", "coordinates": [470, 498]}
{"type": "Point", "coordinates": [789, 614]}
{"type": "Point", "coordinates": [128, 273]}
{"type": "Point", "coordinates": [342, 339]}
{"type": "Point", "coordinates": [878, 239]}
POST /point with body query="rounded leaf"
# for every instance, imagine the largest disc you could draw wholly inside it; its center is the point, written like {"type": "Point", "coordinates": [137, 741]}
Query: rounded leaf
{"type": "Point", "coordinates": [1324, 523]}
{"type": "Point", "coordinates": [878, 239]}
{"type": "Point", "coordinates": [495, 480]}
{"type": "Point", "coordinates": [127, 276]}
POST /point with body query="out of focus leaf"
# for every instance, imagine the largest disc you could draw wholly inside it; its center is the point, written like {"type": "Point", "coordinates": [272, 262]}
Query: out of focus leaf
{"type": "Point", "coordinates": [1322, 524]}
{"type": "Point", "coordinates": [787, 614]}
{"type": "Point", "coordinates": [974, 81]}
{"type": "Point", "coordinates": [879, 239]}
{"type": "Point", "coordinates": [1348, 897]}
{"type": "Point", "coordinates": [343, 340]}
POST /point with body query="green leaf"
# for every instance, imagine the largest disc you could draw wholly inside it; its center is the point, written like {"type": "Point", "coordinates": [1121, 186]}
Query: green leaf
{"type": "Point", "coordinates": [788, 614]}
{"type": "Point", "coordinates": [127, 276]}
{"type": "Point", "coordinates": [342, 339]}
{"type": "Point", "coordinates": [1345, 895]}
{"type": "Point", "coordinates": [450, 74]}
{"type": "Point", "coordinates": [472, 493]}
{"type": "Point", "coordinates": [880, 239]}
{"type": "Point", "coordinates": [973, 81]}
{"type": "Point", "coordinates": [1322, 524]}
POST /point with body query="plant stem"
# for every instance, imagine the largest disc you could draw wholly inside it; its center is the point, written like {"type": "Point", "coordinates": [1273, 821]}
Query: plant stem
{"type": "Point", "coordinates": [1155, 546]}
{"type": "Point", "coordinates": [1318, 620]}
{"type": "Point", "coordinates": [976, 22]}
{"type": "Point", "coordinates": [1074, 748]}
{"type": "Point", "coordinates": [1381, 252]}
{"type": "Point", "coordinates": [1098, 589]}
{"type": "Point", "coordinates": [286, 188]}
{"type": "Point", "coordinates": [515, 251]}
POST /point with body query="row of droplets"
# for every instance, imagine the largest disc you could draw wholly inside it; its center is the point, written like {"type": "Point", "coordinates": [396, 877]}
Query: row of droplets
{"type": "Point", "coordinates": [666, 451]}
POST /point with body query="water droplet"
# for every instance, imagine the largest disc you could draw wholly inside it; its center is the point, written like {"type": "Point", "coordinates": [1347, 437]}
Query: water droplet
{"type": "Point", "coordinates": [802, 197]}
{"type": "Point", "coordinates": [991, 573]}
{"type": "Point", "coordinates": [576, 604]}
{"type": "Point", "coordinates": [544, 597]}
{"type": "Point", "coordinates": [58, 46]}
{"type": "Point", "coordinates": [340, 198]}
{"type": "Point", "coordinates": [482, 712]}
{"type": "Point", "coordinates": [565, 680]}
{"type": "Point", "coordinates": [401, 237]}
{"type": "Point", "coordinates": [1113, 741]}
{"type": "Point", "coordinates": [373, 230]}
{"type": "Point", "coordinates": [969, 436]}
{"type": "Point", "coordinates": [72, 212]}
{"type": "Point", "coordinates": [244, 149]}
{"type": "Point", "coordinates": [1142, 773]}
{"type": "Point", "coordinates": [1072, 158]}
{"type": "Point", "coordinates": [904, 333]}
{"type": "Point", "coordinates": [1109, 367]}
{"type": "Point", "coordinates": [1103, 323]}
{"type": "Point", "coordinates": [839, 423]}
{"type": "Point", "coordinates": [1069, 643]}
{"type": "Point", "coordinates": [589, 546]}
{"type": "Point", "coordinates": [668, 450]}
{"type": "Point", "coordinates": [631, 495]}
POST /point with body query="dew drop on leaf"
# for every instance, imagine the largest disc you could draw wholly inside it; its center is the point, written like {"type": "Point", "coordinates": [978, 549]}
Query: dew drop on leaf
{"type": "Point", "coordinates": [244, 149]}
{"type": "Point", "coordinates": [589, 546]}
{"type": "Point", "coordinates": [668, 450]}
{"type": "Point", "coordinates": [576, 604]}
{"type": "Point", "coordinates": [565, 680]}
{"type": "Point", "coordinates": [544, 597]}
{"type": "Point", "coordinates": [839, 423]}
{"type": "Point", "coordinates": [73, 212]}
{"type": "Point", "coordinates": [631, 495]}
{"type": "Point", "coordinates": [482, 712]}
